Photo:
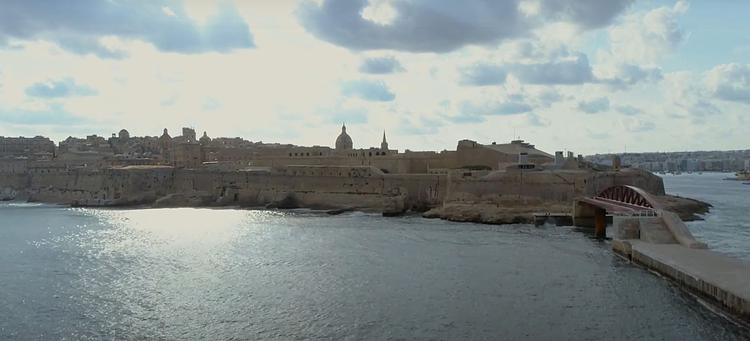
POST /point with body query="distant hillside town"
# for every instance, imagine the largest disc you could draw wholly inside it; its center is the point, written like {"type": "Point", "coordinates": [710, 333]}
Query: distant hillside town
{"type": "Point", "coordinates": [698, 161]}
{"type": "Point", "coordinates": [190, 151]}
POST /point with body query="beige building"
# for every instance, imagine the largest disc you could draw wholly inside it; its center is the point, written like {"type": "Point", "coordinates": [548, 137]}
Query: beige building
{"type": "Point", "coordinates": [30, 147]}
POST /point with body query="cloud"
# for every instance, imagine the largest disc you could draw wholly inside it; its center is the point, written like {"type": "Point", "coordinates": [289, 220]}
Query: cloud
{"type": "Point", "coordinates": [547, 97]}
{"type": "Point", "coordinates": [597, 135]}
{"type": "Point", "coordinates": [575, 70]}
{"type": "Point", "coordinates": [368, 90]}
{"type": "Point", "coordinates": [594, 106]}
{"type": "Point", "coordinates": [62, 88]}
{"type": "Point", "coordinates": [572, 71]}
{"type": "Point", "coordinates": [210, 104]}
{"type": "Point", "coordinates": [380, 65]}
{"type": "Point", "coordinates": [53, 115]}
{"type": "Point", "coordinates": [443, 25]}
{"type": "Point", "coordinates": [688, 92]}
{"type": "Point", "coordinates": [513, 105]}
{"type": "Point", "coordinates": [635, 125]}
{"type": "Point", "coordinates": [730, 82]}
{"type": "Point", "coordinates": [626, 74]}
{"type": "Point", "coordinates": [79, 26]}
{"type": "Point", "coordinates": [628, 110]}
{"type": "Point", "coordinates": [420, 125]}
{"type": "Point", "coordinates": [586, 13]}
{"type": "Point", "coordinates": [483, 74]}
{"type": "Point", "coordinates": [645, 38]}
{"type": "Point", "coordinates": [347, 115]}
{"type": "Point", "coordinates": [535, 120]}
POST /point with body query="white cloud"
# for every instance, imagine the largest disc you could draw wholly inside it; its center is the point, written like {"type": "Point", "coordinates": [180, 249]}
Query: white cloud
{"type": "Point", "coordinates": [644, 38]}
{"type": "Point", "coordinates": [730, 82]}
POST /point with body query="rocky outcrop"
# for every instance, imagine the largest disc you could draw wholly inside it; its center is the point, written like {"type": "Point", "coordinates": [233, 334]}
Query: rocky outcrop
{"type": "Point", "coordinates": [687, 209]}
{"type": "Point", "coordinates": [520, 211]}
{"type": "Point", "coordinates": [189, 199]}
{"type": "Point", "coordinates": [289, 202]}
{"type": "Point", "coordinates": [7, 194]}
{"type": "Point", "coordinates": [394, 203]}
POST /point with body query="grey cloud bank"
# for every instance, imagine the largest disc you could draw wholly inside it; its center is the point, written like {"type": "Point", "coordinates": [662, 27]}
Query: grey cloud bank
{"type": "Point", "coordinates": [380, 65]}
{"type": "Point", "coordinates": [77, 26]}
{"type": "Point", "coordinates": [61, 88]}
{"type": "Point", "coordinates": [369, 90]}
{"type": "Point", "coordinates": [594, 106]}
{"type": "Point", "coordinates": [444, 25]}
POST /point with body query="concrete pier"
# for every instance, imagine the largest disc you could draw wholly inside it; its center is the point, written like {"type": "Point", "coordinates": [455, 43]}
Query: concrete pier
{"type": "Point", "coordinates": [664, 244]}
{"type": "Point", "coordinates": [711, 275]}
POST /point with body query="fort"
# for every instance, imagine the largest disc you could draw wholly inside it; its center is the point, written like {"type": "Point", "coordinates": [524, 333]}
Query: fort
{"type": "Point", "coordinates": [490, 183]}
{"type": "Point", "coordinates": [487, 183]}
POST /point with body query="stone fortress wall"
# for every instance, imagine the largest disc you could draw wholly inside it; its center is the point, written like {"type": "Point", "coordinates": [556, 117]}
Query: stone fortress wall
{"type": "Point", "coordinates": [309, 186]}
{"type": "Point", "coordinates": [186, 171]}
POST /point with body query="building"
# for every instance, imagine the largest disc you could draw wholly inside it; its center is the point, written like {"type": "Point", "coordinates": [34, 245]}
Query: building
{"type": "Point", "coordinates": [37, 147]}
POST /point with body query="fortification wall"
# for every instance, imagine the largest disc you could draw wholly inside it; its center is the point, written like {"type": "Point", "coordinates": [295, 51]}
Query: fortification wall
{"type": "Point", "coordinates": [308, 186]}
{"type": "Point", "coordinates": [499, 186]}
{"type": "Point", "coordinates": [597, 182]}
{"type": "Point", "coordinates": [313, 186]}
{"type": "Point", "coordinates": [104, 187]}
{"type": "Point", "coordinates": [555, 186]}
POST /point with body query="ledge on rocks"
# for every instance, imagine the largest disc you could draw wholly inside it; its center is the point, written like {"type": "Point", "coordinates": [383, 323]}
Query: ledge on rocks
{"type": "Point", "coordinates": [687, 209]}
{"type": "Point", "coordinates": [494, 213]}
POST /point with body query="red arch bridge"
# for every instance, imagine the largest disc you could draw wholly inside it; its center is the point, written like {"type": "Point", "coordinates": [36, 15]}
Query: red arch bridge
{"type": "Point", "coordinates": [618, 200]}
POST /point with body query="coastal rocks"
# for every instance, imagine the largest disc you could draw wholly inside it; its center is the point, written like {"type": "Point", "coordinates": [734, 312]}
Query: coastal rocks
{"type": "Point", "coordinates": [394, 204]}
{"type": "Point", "coordinates": [7, 194]}
{"type": "Point", "coordinates": [687, 209]}
{"type": "Point", "coordinates": [287, 203]}
{"type": "Point", "coordinates": [494, 213]}
{"type": "Point", "coordinates": [189, 199]}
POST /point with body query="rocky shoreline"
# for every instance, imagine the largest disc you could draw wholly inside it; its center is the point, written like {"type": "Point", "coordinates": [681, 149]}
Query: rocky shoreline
{"type": "Point", "coordinates": [523, 212]}
{"type": "Point", "coordinates": [519, 211]}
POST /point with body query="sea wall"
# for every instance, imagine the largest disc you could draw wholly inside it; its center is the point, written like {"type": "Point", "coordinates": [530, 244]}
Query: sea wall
{"type": "Point", "coordinates": [365, 188]}
{"type": "Point", "coordinates": [360, 187]}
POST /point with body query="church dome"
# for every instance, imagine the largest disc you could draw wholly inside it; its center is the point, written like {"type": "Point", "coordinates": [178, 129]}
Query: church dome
{"type": "Point", "coordinates": [344, 142]}
{"type": "Point", "coordinates": [124, 134]}
{"type": "Point", "coordinates": [205, 139]}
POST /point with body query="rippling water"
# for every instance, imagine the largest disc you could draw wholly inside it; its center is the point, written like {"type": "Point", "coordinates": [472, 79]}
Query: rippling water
{"type": "Point", "coordinates": [727, 227]}
{"type": "Point", "coordinates": [235, 274]}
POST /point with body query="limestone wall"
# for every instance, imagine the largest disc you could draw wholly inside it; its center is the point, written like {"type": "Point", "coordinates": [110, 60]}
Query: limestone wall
{"type": "Point", "coordinates": [311, 186]}
{"type": "Point", "coordinates": [364, 187]}
{"type": "Point", "coordinates": [554, 186]}
{"type": "Point", "coordinates": [596, 182]}
{"type": "Point", "coordinates": [100, 187]}
{"type": "Point", "coordinates": [501, 186]}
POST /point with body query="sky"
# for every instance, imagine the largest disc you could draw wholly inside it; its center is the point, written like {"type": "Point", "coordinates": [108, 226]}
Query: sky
{"type": "Point", "coordinates": [586, 76]}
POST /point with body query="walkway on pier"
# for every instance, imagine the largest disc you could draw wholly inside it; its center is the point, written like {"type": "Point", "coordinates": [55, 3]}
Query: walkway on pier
{"type": "Point", "coordinates": [708, 273]}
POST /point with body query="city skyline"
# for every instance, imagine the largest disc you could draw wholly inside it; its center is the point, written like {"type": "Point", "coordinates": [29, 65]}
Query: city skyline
{"type": "Point", "coordinates": [581, 76]}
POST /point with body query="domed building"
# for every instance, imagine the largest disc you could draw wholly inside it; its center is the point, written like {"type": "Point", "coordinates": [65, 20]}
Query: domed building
{"type": "Point", "coordinates": [205, 139]}
{"type": "Point", "coordinates": [344, 141]}
{"type": "Point", "coordinates": [124, 135]}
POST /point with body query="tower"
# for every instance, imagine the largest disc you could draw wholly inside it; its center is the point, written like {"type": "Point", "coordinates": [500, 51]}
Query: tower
{"type": "Point", "coordinates": [384, 144]}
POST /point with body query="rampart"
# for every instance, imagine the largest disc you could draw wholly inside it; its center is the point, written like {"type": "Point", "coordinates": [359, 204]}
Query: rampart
{"type": "Point", "coordinates": [355, 187]}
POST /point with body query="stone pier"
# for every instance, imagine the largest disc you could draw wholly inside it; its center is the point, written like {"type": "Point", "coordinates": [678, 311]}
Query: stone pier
{"type": "Point", "coordinates": [663, 244]}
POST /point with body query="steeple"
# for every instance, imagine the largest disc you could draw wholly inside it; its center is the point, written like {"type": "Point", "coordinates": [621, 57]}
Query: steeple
{"type": "Point", "coordinates": [384, 144]}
